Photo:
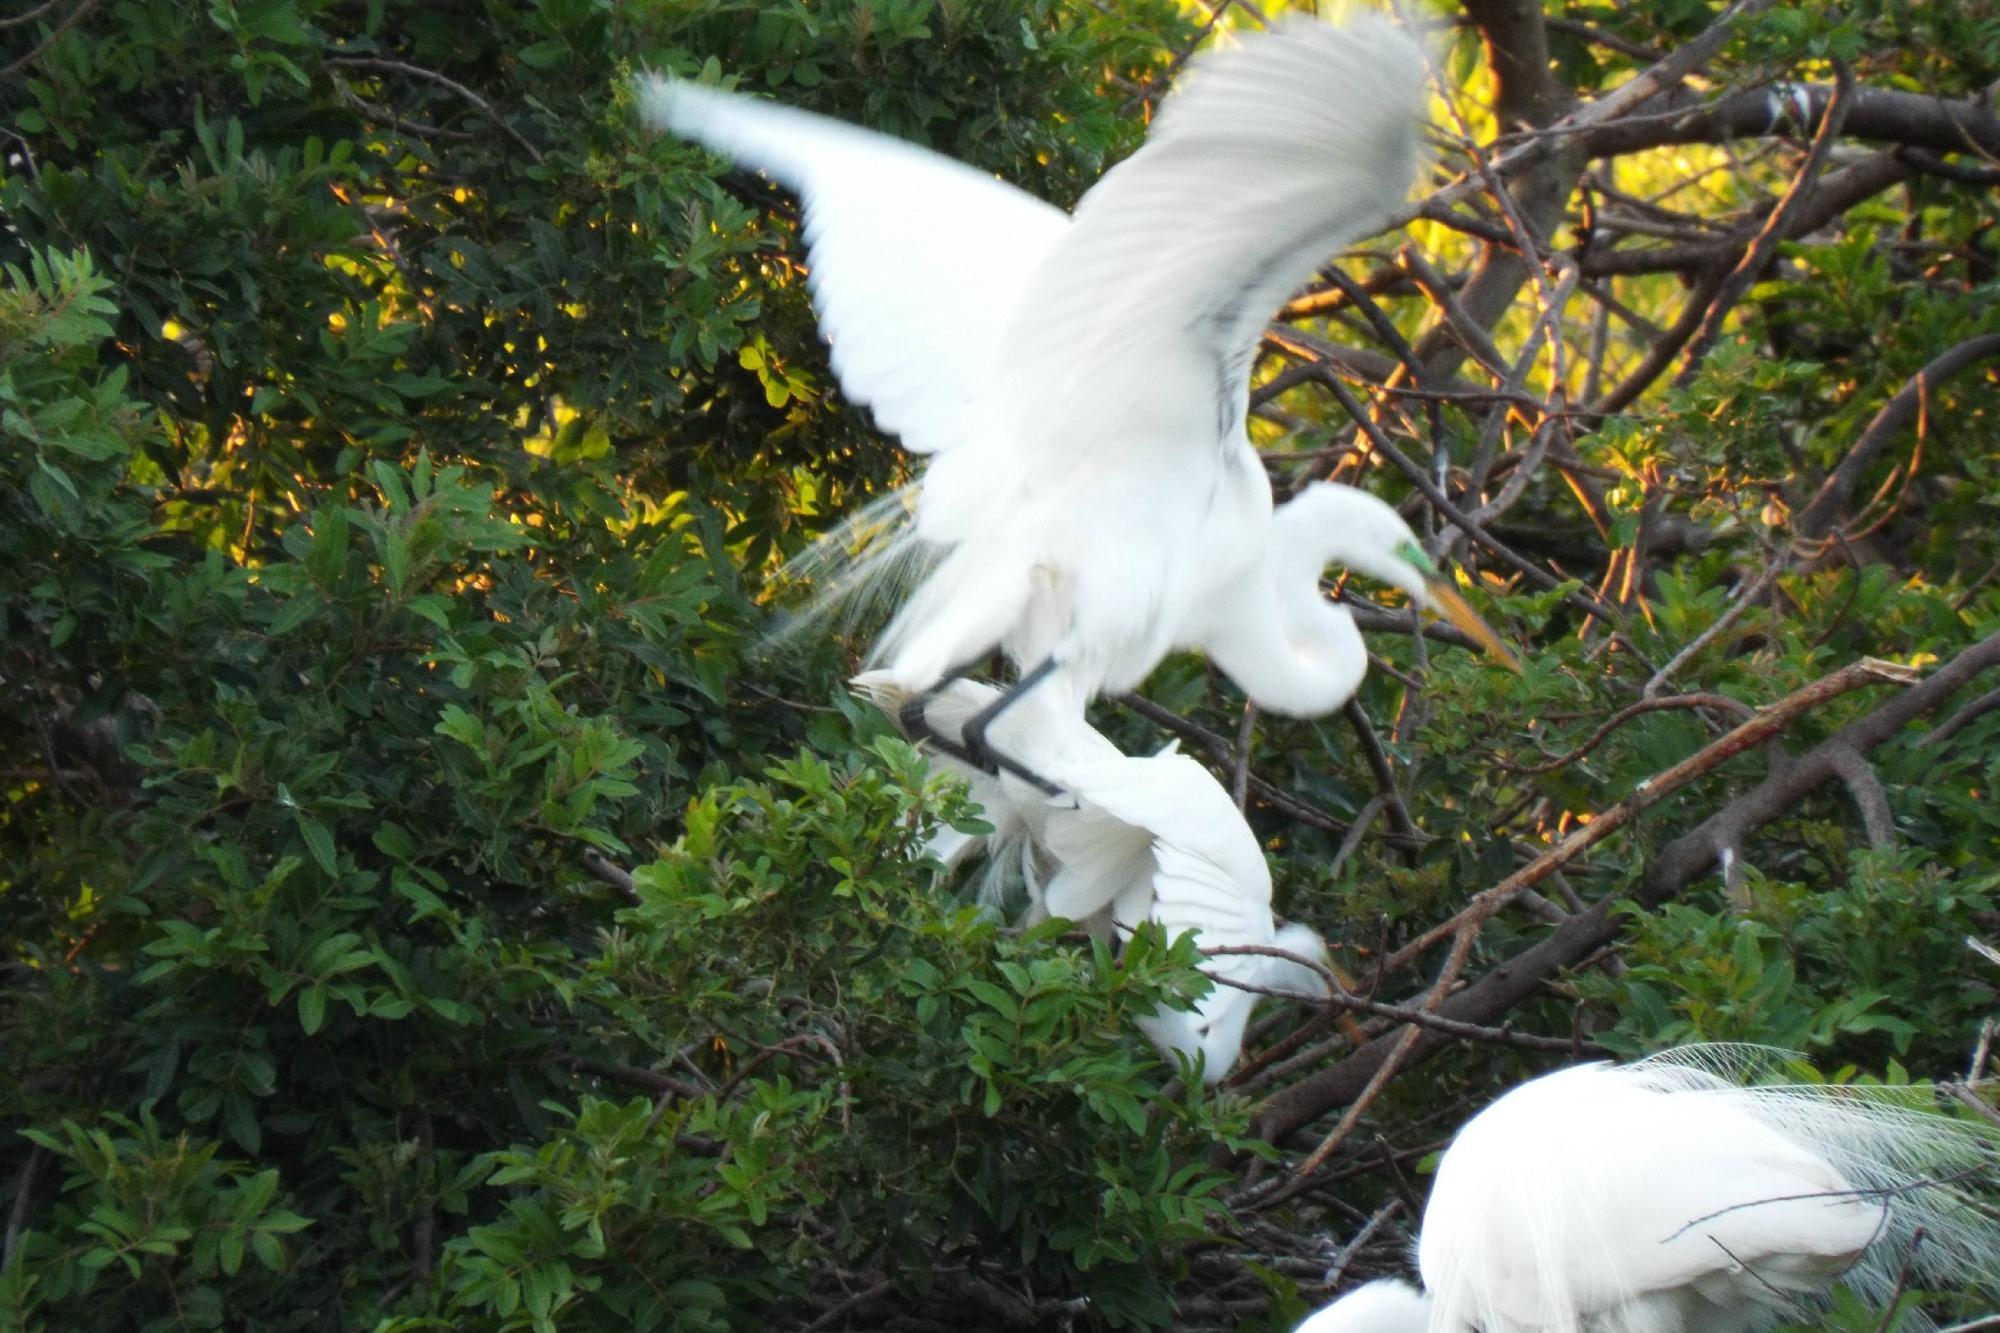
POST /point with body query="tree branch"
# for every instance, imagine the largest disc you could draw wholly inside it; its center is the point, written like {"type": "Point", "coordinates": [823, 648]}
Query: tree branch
{"type": "Point", "coordinates": [1820, 512]}
{"type": "Point", "coordinates": [1667, 873]}
{"type": "Point", "coordinates": [1882, 114]}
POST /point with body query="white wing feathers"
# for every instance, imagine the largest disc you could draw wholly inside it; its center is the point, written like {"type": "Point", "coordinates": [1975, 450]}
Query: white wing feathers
{"type": "Point", "coordinates": [962, 310]}
{"type": "Point", "coordinates": [916, 259]}
{"type": "Point", "coordinates": [1209, 873]}
{"type": "Point", "coordinates": [1267, 158]}
{"type": "Point", "coordinates": [1385, 1305]}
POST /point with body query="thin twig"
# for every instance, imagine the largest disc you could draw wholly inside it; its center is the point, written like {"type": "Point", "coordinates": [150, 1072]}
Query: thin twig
{"type": "Point", "coordinates": [1748, 598]}
{"type": "Point", "coordinates": [55, 35]}
{"type": "Point", "coordinates": [613, 874]}
{"type": "Point", "coordinates": [1338, 1268]}
{"type": "Point", "coordinates": [1902, 1282]}
{"type": "Point", "coordinates": [1451, 512]}
{"type": "Point", "coordinates": [1385, 776]}
{"type": "Point", "coordinates": [24, 1198]}
{"type": "Point", "coordinates": [1626, 714]}
{"type": "Point", "coordinates": [858, 1299]}
{"type": "Point", "coordinates": [483, 106]}
{"type": "Point", "coordinates": [1239, 777]}
{"type": "Point", "coordinates": [1765, 243]}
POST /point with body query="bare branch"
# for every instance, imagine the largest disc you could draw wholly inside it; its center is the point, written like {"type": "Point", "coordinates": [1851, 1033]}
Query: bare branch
{"type": "Point", "coordinates": [1626, 714]}
{"type": "Point", "coordinates": [1819, 514]}
{"type": "Point", "coordinates": [484, 107]}
{"type": "Point", "coordinates": [1870, 798]}
{"type": "Point", "coordinates": [55, 35]}
{"type": "Point", "coordinates": [1962, 719]}
{"type": "Point", "coordinates": [615, 875]}
{"type": "Point", "coordinates": [1744, 601]}
{"type": "Point", "coordinates": [1385, 776]}
{"type": "Point", "coordinates": [1765, 243]}
{"type": "Point", "coordinates": [1884, 114]}
{"type": "Point", "coordinates": [24, 1199]}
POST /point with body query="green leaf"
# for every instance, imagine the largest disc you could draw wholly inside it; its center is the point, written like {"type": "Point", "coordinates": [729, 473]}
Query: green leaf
{"type": "Point", "coordinates": [319, 842]}
{"type": "Point", "coordinates": [312, 1009]}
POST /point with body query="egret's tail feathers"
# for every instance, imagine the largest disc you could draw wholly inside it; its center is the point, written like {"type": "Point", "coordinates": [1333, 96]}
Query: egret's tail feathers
{"type": "Point", "coordinates": [1302, 977]}
{"type": "Point", "coordinates": [855, 575]}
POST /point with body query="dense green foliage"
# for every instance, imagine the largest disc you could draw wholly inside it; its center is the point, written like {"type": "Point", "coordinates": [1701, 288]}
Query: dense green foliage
{"type": "Point", "coordinates": [396, 445]}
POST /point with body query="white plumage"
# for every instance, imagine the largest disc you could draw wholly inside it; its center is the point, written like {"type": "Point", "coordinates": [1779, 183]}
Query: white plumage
{"type": "Point", "coordinates": [1131, 840]}
{"type": "Point", "coordinates": [1081, 384]}
{"type": "Point", "coordinates": [1667, 1197]}
{"type": "Point", "coordinates": [1383, 1306]}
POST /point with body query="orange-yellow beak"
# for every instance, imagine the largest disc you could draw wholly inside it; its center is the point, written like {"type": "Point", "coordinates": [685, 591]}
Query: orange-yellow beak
{"type": "Point", "coordinates": [1455, 608]}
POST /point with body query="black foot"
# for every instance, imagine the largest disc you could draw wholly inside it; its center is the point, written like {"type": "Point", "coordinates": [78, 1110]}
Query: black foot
{"type": "Point", "coordinates": [990, 759]}
{"type": "Point", "coordinates": [915, 723]}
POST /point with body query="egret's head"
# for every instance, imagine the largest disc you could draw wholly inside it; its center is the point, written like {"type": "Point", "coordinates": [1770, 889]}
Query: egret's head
{"type": "Point", "coordinates": [1344, 525]}
{"type": "Point", "coordinates": [1435, 591]}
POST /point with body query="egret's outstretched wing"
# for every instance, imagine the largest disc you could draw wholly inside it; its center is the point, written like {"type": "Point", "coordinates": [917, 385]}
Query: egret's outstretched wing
{"type": "Point", "coordinates": [1267, 158]}
{"type": "Point", "coordinates": [916, 259]}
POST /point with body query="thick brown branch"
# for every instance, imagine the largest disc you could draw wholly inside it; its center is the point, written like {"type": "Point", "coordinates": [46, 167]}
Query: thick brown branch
{"type": "Point", "coordinates": [1690, 56]}
{"type": "Point", "coordinates": [1517, 49]}
{"type": "Point", "coordinates": [1837, 192]}
{"type": "Point", "coordinates": [1962, 719]}
{"type": "Point", "coordinates": [1687, 856]}
{"type": "Point", "coordinates": [1883, 114]}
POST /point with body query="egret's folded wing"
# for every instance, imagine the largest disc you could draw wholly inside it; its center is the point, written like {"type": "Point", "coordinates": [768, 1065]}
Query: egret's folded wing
{"type": "Point", "coordinates": [915, 258]}
{"type": "Point", "coordinates": [1586, 1189]}
{"type": "Point", "coordinates": [1267, 158]}
{"type": "Point", "coordinates": [1184, 808]}
{"type": "Point", "coordinates": [1209, 873]}
{"type": "Point", "coordinates": [1101, 861]}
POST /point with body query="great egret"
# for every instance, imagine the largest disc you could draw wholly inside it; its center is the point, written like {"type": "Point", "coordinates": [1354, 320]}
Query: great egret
{"type": "Point", "coordinates": [1663, 1197]}
{"type": "Point", "coordinates": [1131, 840]}
{"type": "Point", "coordinates": [1081, 383]}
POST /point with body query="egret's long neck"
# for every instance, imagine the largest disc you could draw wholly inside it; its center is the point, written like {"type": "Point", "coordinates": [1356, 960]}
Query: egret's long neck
{"type": "Point", "coordinates": [1290, 649]}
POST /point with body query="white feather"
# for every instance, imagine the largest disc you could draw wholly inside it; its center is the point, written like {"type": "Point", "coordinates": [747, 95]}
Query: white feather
{"type": "Point", "coordinates": [1667, 1196]}
{"type": "Point", "coordinates": [889, 227]}
{"type": "Point", "coordinates": [1382, 1306]}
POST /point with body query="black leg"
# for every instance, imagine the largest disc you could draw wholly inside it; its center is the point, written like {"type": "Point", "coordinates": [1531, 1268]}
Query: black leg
{"type": "Point", "coordinates": [914, 720]}
{"type": "Point", "coordinates": [990, 759]}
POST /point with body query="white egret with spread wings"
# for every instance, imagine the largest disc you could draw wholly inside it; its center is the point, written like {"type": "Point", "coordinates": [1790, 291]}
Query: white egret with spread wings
{"type": "Point", "coordinates": [1080, 384]}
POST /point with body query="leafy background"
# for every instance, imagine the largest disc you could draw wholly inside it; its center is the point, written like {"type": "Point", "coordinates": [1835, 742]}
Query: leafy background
{"type": "Point", "coordinates": [427, 908]}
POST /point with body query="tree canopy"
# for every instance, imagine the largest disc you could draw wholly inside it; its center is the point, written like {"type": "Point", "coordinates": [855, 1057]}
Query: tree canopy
{"type": "Point", "coordinates": [431, 903]}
